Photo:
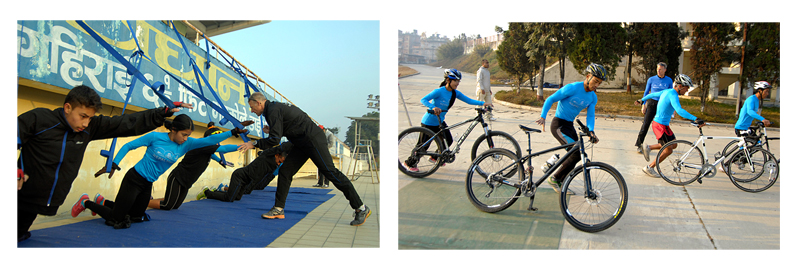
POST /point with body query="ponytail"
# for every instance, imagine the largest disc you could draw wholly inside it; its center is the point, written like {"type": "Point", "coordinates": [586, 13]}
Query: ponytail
{"type": "Point", "coordinates": [443, 82]}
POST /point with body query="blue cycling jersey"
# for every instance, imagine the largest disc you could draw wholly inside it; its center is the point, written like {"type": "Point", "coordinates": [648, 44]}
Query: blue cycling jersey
{"type": "Point", "coordinates": [441, 98]}
{"type": "Point", "coordinates": [162, 152]}
{"type": "Point", "coordinates": [656, 84]}
{"type": "Point", "coordinates": [571, 99]}
{"type": "Point", "coordinates": [224, 149]}
{"type": "Point", "coordinates": [748, 112]}
{"type": "Point", "coordinates": [667, 104]}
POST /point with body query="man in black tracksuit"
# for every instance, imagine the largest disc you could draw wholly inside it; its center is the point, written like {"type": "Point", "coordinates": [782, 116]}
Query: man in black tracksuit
{"type": "Point", "coordinates": [52, 144]}
{"type": "Point", "coordinates": [309, 143]}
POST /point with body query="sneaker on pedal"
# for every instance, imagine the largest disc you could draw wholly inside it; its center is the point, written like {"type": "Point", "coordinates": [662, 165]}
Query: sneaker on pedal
{"type": "Point", "coordinates": [99, 200]}
{"type": "Point", "coordinates": [273, 213]}
{"type": "Point", "coordinates": [78, 207]}
{"type": "Point", "coordinates": [650, 171]}
{"type": "Point", "coordinates": [412, 169]}
{"type": "Point", "coordinates": [361, 216]}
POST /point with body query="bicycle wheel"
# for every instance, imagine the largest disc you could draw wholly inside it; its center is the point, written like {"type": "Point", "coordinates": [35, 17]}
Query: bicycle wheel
{"type": "Point", "coordinates": [601, 207]}
{"type": "Point", "coordinates": [412, 158]}
{"type": "Point", "coordinates": [490, 181]}
{"type": "Point", "coordinates": [499, 139]}
{"type": "Point", "coordinates": [683, 165]}
{"type": "Point", "coordinates": [753, 171]}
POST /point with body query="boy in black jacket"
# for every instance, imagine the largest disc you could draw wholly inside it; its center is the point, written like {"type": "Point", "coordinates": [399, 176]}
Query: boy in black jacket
{"type": "Point", "coordinates": [308, 143]}
{"type": "Point", "coordinates": [52, 144]}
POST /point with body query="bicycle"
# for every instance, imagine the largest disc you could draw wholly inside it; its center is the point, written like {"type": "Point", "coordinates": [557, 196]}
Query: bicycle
{"type": "Point", "coordinates": [592, 198]}
{"type": "Point", "coordinates": [689, 163]}
{"type": "Point", "coordinates": [761, 132]}
{"type": "Point", "coordinates": [413, 144]}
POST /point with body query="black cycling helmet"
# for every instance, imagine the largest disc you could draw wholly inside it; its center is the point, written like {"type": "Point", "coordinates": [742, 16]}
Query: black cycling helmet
{"type": "Point", "coordinates": [761, 85]}
{"type": "Point", "coordinates": [452, 74]}
{"type": "Point", "coordinates": [597, 70]}
{"type": "Point", "coordinates": [683, 80]}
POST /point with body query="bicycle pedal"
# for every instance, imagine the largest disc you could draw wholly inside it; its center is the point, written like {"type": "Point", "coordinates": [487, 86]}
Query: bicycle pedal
{"type": "Point", "coordinates": [700, 180]}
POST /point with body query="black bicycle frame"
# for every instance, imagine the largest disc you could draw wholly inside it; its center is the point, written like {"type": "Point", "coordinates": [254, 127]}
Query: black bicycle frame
{"type": "Point", "coordinates": [475, 121]}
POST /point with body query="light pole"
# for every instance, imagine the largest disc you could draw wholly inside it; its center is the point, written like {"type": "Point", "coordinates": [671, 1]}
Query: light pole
{"type": "Point", "coordinates": [374, 105]}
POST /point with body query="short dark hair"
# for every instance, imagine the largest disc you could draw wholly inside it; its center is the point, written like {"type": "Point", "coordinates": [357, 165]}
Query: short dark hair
{"type": "Point", "coordinates": [83, 96]}
{"type": "Point", "coordinates": [180, 123]}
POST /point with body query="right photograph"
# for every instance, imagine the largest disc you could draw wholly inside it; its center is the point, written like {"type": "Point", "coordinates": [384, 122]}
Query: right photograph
{"type": "Point", "coordinates": [603, 136]}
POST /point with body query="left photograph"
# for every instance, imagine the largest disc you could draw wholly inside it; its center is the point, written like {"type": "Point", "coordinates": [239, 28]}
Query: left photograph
{"type": "Point", "coordinates": [200, 133]}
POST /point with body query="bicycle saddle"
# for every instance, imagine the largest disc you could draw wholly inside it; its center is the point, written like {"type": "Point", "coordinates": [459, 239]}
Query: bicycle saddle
{"type": "Point", "coordinates": [528, 130]}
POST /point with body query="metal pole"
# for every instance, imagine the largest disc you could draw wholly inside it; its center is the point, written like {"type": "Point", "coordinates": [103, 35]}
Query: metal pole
{"type": "Point", "coordinates": [404, 103]}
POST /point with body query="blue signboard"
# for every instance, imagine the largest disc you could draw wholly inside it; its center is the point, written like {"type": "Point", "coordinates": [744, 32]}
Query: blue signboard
{"type": "Point", "coordinates": [61, 54]}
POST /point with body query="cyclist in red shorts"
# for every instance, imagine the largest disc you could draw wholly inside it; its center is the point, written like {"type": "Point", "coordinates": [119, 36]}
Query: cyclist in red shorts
{"type": "Point", "coordinates": [667, 104]}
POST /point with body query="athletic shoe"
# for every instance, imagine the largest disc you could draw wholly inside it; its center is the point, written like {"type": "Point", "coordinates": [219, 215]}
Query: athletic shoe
{"type": "Point", "coordinates": [317, 185]}
{"type": "Point", "coordinates": [639, 149]}
{"type": "Point", "coordinates": [78, 207]}
{"type": "Point", "coordinates": [325, 186]}
{"type": "Point", "coordinates": [412, 169]}
{"type": "Point", "coordinates": [361, 216]}
{"type": "Point", "coordinates": [202, 194]}
{"type": "Point", "coordinates": [557, 186]}
{"type": "Point", "coordinates": [650, 171]}
{"type": "Point", "coordinates": [99, 200]}
{"type": "Point", "coordinates": [273, 213]}
{"type": "Point", "coordinates": [646, 153]}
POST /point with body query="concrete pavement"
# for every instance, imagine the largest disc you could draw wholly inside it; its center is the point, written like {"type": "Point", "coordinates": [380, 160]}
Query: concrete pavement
{"type": "Point", "coordinates": [712, 215]}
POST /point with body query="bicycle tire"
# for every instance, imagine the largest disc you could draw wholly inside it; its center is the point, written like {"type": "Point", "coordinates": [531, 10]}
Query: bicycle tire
{"type": "Point", "coordinates": [500, 140]}
{"type": "Point", "coordinates": [407, 143]}
{"type": "Point", "coordinates": [755, 180]}
{"type": "Point", "coordinates": [601, 210]}
{"type": "Point", "coordinates": [494, 196]}
{"type": "Point", "coordinates": [680, 171]}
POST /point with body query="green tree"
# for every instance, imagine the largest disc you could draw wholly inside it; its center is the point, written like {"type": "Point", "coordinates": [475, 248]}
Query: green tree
{"type": "Point", "coordinates": [511, 54]}
{"type": "Point", "coordinates": [762, 60]}
{"type": "Point", "coordinates": [450, 50]}
{"type": "Point", "coordinates": [549, 40]}
{"type": "Point", "coordinates": [482, 49]}
{"type": "Point", "coordinates": [657, 42]}
{"type": "Point", "coordinates": [369, 131]}
{"type": "Point", "coordinates": [710, 53]}
{"type": "Point", "coordinates": [763, 50]}
{"type": "Point", "coordinates": [601, 43]}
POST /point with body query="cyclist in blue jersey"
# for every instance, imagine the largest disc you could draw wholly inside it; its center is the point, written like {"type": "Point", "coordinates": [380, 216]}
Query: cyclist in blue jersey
{"type": "Point", "coordinates": [749, 110]}
{"type": "Point", "coordinates": [572, 99]}
{"type": "Point", "coordinates": [163, 150]}
{"type": "Point", "coordinates": [668, 103]}
{"type": "Point", "coordinates": [654, 84]}
{"type": "Point", "coordinates": [440, 100]}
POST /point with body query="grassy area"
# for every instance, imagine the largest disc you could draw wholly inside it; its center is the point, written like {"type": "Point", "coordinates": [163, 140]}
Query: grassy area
{"type": "Point", "coordinates": [405, 71]}
{"type": "Point", "coordinates": [622, 104]}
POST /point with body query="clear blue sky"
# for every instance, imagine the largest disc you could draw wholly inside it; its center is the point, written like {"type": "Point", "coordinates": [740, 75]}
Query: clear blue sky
{"type": "Point", "coordinates": [327, 68]}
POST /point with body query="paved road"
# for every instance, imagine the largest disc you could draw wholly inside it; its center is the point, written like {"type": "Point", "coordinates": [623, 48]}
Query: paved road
{"type": "Point", "coordinates": [712, 215]}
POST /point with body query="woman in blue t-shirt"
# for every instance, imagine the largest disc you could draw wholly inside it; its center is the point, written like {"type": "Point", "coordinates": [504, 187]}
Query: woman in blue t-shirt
{"type": "Point", "coordinates": [163, 150]}
{"type": "Point", "coordinates": [440, 100]}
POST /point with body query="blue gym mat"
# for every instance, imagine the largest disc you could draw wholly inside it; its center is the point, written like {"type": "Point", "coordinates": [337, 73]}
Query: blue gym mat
{"type": "Point", "coordinates": [204, 223]}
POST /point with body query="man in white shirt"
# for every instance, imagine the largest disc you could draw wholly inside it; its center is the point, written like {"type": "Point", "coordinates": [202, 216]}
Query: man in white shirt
{"type": "Point", "coordinates": [483, 90]}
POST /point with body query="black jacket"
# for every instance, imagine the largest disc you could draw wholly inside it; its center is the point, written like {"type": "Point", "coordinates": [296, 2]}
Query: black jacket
{"type": "Point", "coordinates": [289, 121]}
{"type": "Point", "coordinates": [51, 152]}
